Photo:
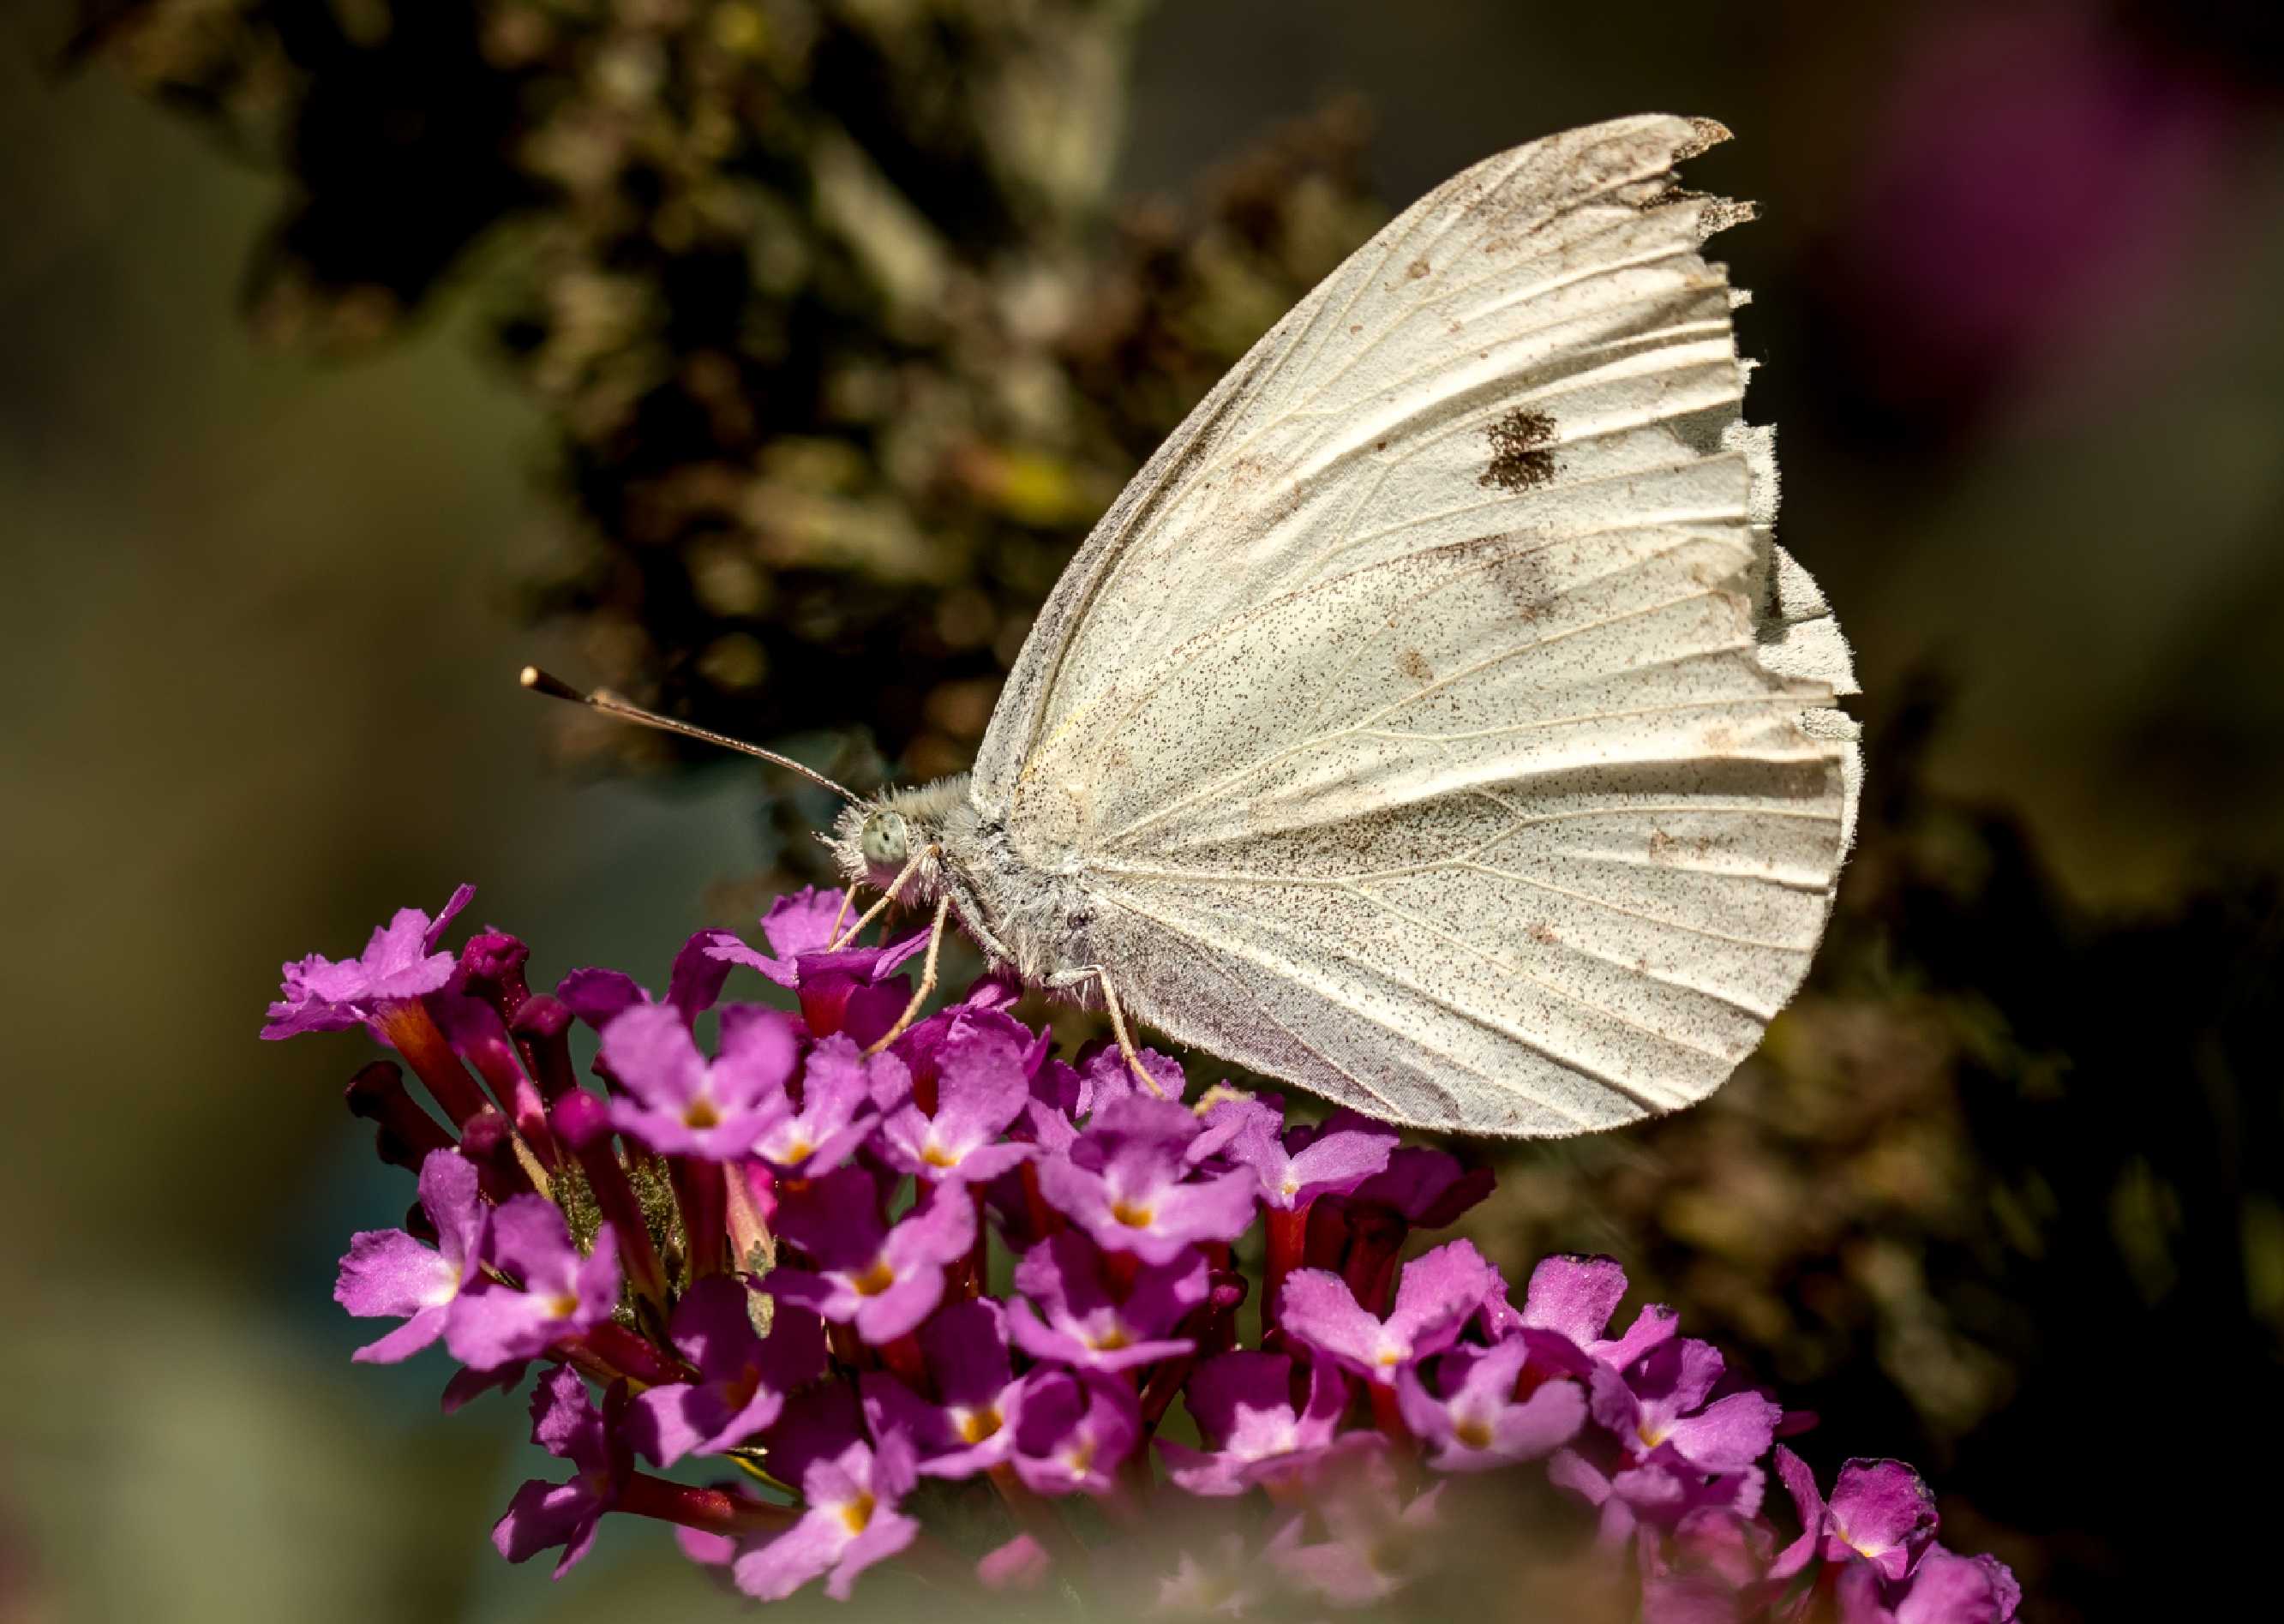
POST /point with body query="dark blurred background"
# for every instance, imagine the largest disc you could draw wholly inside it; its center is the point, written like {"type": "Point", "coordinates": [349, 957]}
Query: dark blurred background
{"type": "Point", "coordinates": [765, 358]}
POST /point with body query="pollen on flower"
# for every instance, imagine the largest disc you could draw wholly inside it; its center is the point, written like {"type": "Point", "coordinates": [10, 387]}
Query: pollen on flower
{"type": "Point", "coordinates": [856, 1514]}
{"type": "Point", "coordinates": [874, 1280]}
{"type": "Point", "coordinates": [1475, 1433]}
{"type": "Point", "coordinates": [564, 1305]}
{"type": "Point", "coordinates": [936, 1156]}
{"type": "Point", "coordinates": [700, 1113]}
{"type": "Point", "coordinates": [738, 1390]}
{"type": "Point", "coordinates": [975, 1425]}
{"type": "Point", "coordinates": [1134, 1215]}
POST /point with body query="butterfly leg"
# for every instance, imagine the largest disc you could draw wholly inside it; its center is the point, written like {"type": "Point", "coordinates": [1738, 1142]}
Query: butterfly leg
{"type": "Point", "coordinates": [1095, 972]}
{"type": "Point", "coordinates": [847, 900]}
{"type": "Point", "coordinates": [927, 979]}
{"type": "Point", "coordinates": [841, 938]}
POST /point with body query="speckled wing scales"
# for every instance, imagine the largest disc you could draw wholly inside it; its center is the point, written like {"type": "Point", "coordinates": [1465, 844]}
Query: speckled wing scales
{"type": "Point", "coordinates": [1431, 722]}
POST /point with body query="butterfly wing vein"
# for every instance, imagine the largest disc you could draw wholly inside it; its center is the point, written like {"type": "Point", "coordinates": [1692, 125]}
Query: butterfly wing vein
{"type": "Point", "coordinates": [1433, 724]}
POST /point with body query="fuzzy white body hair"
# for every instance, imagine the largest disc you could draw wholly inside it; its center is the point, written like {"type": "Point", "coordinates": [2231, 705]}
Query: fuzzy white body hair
{"type": "Point", "coordinates": [1034, 921]}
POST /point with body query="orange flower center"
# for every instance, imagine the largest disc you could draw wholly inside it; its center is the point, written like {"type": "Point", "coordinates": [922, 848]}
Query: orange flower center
{"type": "Point", "coordinates": [739, 1392]}
{"type": "Point", "coordinates": [978, 1424]}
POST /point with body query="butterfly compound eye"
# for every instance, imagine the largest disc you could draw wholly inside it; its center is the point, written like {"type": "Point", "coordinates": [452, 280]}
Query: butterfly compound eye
{"type": "Point", "coordinates": [884, 839]}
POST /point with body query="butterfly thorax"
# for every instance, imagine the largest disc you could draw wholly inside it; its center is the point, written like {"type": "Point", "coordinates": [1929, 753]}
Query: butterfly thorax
{"type": "Point", "coordinates": [1020, 916]}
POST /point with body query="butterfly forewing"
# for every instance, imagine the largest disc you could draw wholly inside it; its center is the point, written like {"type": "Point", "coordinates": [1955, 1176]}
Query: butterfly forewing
{"type": "Point", "coordinates": [1408, 721]}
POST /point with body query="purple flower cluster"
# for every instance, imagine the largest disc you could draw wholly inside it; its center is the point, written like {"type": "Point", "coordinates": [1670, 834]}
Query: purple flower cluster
{"type": "Point", "coordinates": [781, 1255]}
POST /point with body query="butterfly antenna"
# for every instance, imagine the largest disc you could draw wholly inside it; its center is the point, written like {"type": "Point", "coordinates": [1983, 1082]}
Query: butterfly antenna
{"type": "Point", "coordinates": [604, 700]}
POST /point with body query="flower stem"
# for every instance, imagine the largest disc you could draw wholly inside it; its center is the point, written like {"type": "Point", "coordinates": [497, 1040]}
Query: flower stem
{"type": "Point", "coordinates": [903, 1357]}
{"type": "Point", "coordinates": [1035, 1211]}
{"type": "Point", "coordinates": [631, 1356]}
{"type": "Point", "coordinates": [1370, 1267]}
{"type": "Point", "coordinates": [747, 1213]}
{"type": "Point", "coordinates": [698, 1189]}
{"type": "Point", "coordinates": [540, 1028]}
{"type": "Point", "coordinates": [417, 1037]}
{"type": "Point", "coordinates": [1288, 1234]}
{"type": "Point", "coordinates": [377, 1095]}
{"type": "Point", "coordinates": [714, 1510]}
{"type": "Point", "coordinates": [978, 1279]}
{"type": "Point", "coordinates": [1387, 1417]}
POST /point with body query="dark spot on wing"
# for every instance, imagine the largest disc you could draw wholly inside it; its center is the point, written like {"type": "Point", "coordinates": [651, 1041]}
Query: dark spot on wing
{"type": "Point", "coordinates": [1520, 460]}
{"type": "Point", "coordinates": [1417, 270]}
{"type": "Point", "coordinates": [1414, 665]}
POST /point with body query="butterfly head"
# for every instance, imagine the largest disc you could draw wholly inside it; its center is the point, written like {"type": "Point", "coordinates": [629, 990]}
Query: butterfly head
{"type": "Point", "coordinates": [885, 839]}
{"type": "Point", "coordinates": [876, 840]}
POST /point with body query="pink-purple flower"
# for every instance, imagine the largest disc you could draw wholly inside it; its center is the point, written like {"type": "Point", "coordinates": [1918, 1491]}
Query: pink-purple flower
{"type": "Point", "coordinates": [1573, 1297]}
{"type": "Point", "coordinates": [546, 1515]}
{"type": "Point", "coordinates": [980, 1090]}
{"type": "Point", "coordinates": [679, 1103]}
{"type": "Point", "coordinates": [1437, 1294]}
{"type": "Point", "coordinates": [536, 1288]}
{"type": "Point", "coordinates": [1073, 1431]}
{"type": "Point", "coordinates": [966, 1424]}
{"type": "Point", "coordinates": [389, 1274]}
{"type": "Point", "coordinates": [1264, 1417]}
{"type": "Point", "coordinates": [740, 1379]}
{"type": "Point", "coordinates": [852, 1489]}
{"type": "Point", "coordinates": [794, 1257]}
{"type": "Point", "coordinates": [1879, 1512]}
{"type": "Point", "coordinates": [1301, 1163]}
{"type": "Point", "coordinates": [1081, 1320]}
{"type": "Point", "coordinates": [1463, 1406]}
{"type": "Point", "coordinates": [401, 962]}
{"type": "Point", "coordinates": [1665, 1401]}
{"type": "Point", "coordinates": [882, 1278]}
{"type": "Point", "coordinates": [1126, 1182]}
{"type": "Point", "coordinates": [835, 1114]}
{"type": "Point", "coordinates": [845, 989]}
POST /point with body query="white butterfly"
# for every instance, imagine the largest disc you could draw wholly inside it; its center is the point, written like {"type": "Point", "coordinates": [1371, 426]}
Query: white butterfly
{"type": "Point", "coordinates": [1433, 724]}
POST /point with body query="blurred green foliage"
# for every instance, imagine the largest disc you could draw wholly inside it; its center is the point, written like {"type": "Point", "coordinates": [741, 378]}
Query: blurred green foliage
{"type": "Point", "coordinates": [824, 301]}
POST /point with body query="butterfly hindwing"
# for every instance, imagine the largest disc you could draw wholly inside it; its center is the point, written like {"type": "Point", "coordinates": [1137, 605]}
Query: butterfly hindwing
{"type": "Point", "coordinates": [1411, 719]}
